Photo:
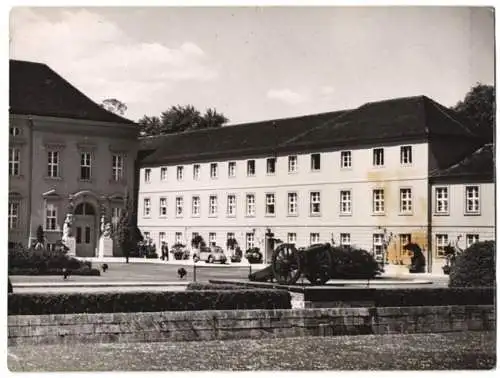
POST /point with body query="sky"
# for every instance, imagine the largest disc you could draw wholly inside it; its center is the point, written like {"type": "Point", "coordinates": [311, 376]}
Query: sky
{"type": "Point", "coordinates": [257, 63]}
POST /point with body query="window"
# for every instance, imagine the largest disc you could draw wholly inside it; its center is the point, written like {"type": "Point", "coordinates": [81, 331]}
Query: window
{"type": "Point", "coordinates": [441, 242]}
{"type": "Point", "coordinates": [116, 213]}
{"type": "Point", "coordinates": [117, 167]}
{"type": "Point", "coordinates": [345, 240]}
{"type": "Point", "coordinates": [196, 172]}
{"type": "Point", "coordinates": [251, 168]}
{"type": "Point", "coordinates": [378, 201]}
{"type": "Point", "coordinates": [315, 203]}
{"type": "Point", "coordinates": [14, 131]}
{"type": "Point", "coordinates": [213, 170]}
{"type": "Point", "coordinates": [292, 204]}
{"type": "Point", "coordinates": [345, 202]}
{"type": "Point", "coordinates": [378, 157]}
{"type": "Point", "coordinates": [53, 163]}
{"type": "Point", "coordinates": [469, 239]}
{"type": "Point", "coordinates": [161, 237]}
{"type": "Point", "coordinates": [212, 206]}
{"type": "Point", "coordinates": [378, 246]}
{"type": "Point", "coordinates": [250, 205]}
{"type": "Point", "coordinates": [230, 235]}
{"type": "Point", "coordinates": [314, 238]}
{"type": "Point", "coordinates": [231, 169]}
{"type": "Point", "coordinates": [441, 200]}
{"type": "Point", "coordinates": [14, 162]}
{"type": "Point", "coordinates": [179, 206]}
{"type": "Point", "coordinates": [147, 207]}
{"type": "Point", "coordinates": [195, 206]}
{"type": "Point", "coordinates": [406, 155]}
{"type": "Point", "coordinates": [13, 214]}
{"type": "Point", "coordinates": [147, 175]}
{"type": "Point", "coordinates": [250, 239]}
{"type": "Point", "coordinates": [180, 173]}
{"type": "Point", "coordinates": [315, 162]}
{"type": "Point", "coordinates": [405, 201]}
{"type": "Point", "coordinates": [147, 235]}
{"type": "Point", "coordinates": [472, 200]}
{"type": "Point", "coordinates": [271, 166]}
{"type": "Point", "coordinates": [178, 238]}
{"type": "Point", "coordinates": [163, 174]}
{"type": "Point", "coordinates": [404, 239]}
{"type": "Point", "coordinates": [51, 246]}
{"type": "Point", "coordinates": [270, 204]}
{"type": "Point", "coordinates": [50, 217]}
{"type": "Point", "coordinates": [291, 238]}
{"type": "Point", "coordinates": [231, 205]}
{"type": "Point", "coordinates": [292, 164]}
{"type": "Point", "coordinates": [345, 159]}
{"type": "Point", "coordinates": [163, 207]}
{"type": "Point", "coordinates": [86, 166]}
{"type": "Point", "coordinates": [212, 238]}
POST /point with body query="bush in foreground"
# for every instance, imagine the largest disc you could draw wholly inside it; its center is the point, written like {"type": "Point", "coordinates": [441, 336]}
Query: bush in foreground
{"type": "Point", "coordinates": [41, 261]}
{"type": "Point", "coordinates": [53, 272]}
{"type": "Point", "coordinates": [193, 300]}
{"type": "Point", "coordinates": [475, 266]}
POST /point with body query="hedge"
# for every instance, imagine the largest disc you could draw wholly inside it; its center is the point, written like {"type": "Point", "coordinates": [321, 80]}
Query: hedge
{"type": "Point", "coordinates": [53, 272]}
{"type": "Point", "coordinates": [193, 300]}
{"type": "Point", "coordinates": [44, 260]}
{"type": "Point", "coordinates": [475, 266]}
{"type": "Point", "coordinates": [353, 263]}
{"type": "Point", "coordinates": [405, 297]}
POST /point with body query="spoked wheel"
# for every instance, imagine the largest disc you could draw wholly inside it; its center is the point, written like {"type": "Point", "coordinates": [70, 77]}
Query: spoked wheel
{"type": "Point", "coordinates": [286, 264]}
{"type": "Point", "coordinates": [319, 271]}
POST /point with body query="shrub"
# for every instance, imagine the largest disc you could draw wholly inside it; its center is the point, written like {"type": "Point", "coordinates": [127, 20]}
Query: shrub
{"type": "Point", "coordinates": [352, 263]}
{"type": "Point", "coordinates": [44, 261]}
{"type": "Point", "coordinates": [231, 243]}
{"type": "Point", "coordinates": [180, 252]}
{"type": "Point", "coordinates": [475, 266]}
{"type": "Point", "coordinates": [253, 255]}
{"type": "Point", "coordinates": [193, 300]}
{"type": "Point", "coordinates": [211, 286]}
{"type": "Point", "coordinates": [197, 241]}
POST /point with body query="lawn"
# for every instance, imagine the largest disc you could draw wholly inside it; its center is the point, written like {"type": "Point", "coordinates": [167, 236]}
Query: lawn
{"type": "Point", "coordinates": [448, 351]}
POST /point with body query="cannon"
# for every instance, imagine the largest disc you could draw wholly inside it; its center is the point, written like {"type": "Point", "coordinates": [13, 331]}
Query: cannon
{"type": "Point", "coordinates": [288, 263]}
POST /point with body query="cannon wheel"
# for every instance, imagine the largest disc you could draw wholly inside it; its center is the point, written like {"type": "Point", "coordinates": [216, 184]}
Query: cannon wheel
{"type": "Point", "coordinates": [319, 271]}
{"type": "Point", "coordinates": [286, 264]}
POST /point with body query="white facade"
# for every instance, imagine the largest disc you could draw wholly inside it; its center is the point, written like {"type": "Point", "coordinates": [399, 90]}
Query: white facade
{"type": "Point", "coordinates": [334, 194]}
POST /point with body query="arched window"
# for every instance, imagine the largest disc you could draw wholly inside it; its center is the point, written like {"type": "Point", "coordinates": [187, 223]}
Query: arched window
{"type": "Point", "coordinates": [84, 209]}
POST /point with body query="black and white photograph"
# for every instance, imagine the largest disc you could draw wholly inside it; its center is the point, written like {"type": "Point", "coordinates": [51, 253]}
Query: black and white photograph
{"type": "Point", "coordinates": [250, 187]}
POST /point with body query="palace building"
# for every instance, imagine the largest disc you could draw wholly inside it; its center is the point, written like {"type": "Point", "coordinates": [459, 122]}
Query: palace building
{"type": "Point", "coordinates": [377, 177]}
{"type": "Point", "coordinates": [66, 155]}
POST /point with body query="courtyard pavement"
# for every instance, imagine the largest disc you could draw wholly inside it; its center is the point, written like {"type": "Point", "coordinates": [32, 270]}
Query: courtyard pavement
{"type": "Point", "coordinates": [447, 351]}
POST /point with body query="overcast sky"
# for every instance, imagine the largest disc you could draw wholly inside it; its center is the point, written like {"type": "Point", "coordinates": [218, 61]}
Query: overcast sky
{"type": "Point", "coordinates": [260, 63]}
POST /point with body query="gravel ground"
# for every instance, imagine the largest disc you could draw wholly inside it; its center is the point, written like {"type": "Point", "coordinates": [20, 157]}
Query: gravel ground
{"type": "Point", "coordinates": [450, 351]}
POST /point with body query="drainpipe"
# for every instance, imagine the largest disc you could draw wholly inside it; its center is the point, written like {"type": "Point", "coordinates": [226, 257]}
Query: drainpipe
{"type": "Point", "coordinates": [30, 178]}
{"type": "Point", "coordinates": [429, 226]}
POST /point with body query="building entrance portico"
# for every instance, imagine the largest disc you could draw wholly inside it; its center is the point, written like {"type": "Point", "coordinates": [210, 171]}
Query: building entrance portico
{"type": "Point", "coordinates": [85, 229]}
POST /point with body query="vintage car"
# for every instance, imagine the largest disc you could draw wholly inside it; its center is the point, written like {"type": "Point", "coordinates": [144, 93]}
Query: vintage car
{"type": "Point", "coordinates": [211, 255]}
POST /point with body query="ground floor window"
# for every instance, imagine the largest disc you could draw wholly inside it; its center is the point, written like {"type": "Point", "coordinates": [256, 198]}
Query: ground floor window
{"type": "Point", "coordinates": [471, 239]}
{"type": "Point", "coordinates": [178, 237]}
{"type": "Point", "coordinates": [345, 240]}
{"type": "Point", "coordinates": [378, 246]}
{"type": "Point", "coordinates": [314, 238]}
{"type": "Point", "coordinates": [292, 238]}
{"type": "Point", "coordinates": [13, 214]}
{"type": "Point", "coordinates": [441, 243]}
{"type": "Point", "coordinates": [250, 239]}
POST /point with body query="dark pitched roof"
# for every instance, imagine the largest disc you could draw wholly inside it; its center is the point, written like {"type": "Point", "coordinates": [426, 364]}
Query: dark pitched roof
{"type": "Point", "coordinates": [381, 122]}
{"type": "Point", "coordinates": [237, 140]}
{"type": "Point", "coordinates": [35, 89]}
{"type": "Point", "coordinates": [400, 118]}
{"type": "Point", "coordinates": [481, 163]}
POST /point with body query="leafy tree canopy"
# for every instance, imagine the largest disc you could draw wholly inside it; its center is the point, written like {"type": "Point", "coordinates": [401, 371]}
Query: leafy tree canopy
{"type": "Point", "coordinates": [181, 118]}
{"type": "Point", "coordinates": [478, 107]}
{"type": "Point", "coordinates": [115, 106]}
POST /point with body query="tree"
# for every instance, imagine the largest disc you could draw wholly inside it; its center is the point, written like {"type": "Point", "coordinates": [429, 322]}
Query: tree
{"type": "Point", "coordinates": [181, 118]}
{"type": "Point", "coordinates": [115, 106]}
{"type": "Point", "coordinates": [478, 107]}
{"type": "Point", "coordinates": [127, 233]}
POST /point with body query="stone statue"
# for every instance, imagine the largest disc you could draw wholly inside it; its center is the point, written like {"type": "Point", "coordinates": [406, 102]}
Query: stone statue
{"type": "Point", "coordinates": [67, 227]}
{"type": "Point", "coordinates": [107, 230]}
{"type": "Point", "coordinates": [103, 224]}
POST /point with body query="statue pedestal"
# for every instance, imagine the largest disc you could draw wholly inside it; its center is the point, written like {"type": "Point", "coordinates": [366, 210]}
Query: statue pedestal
{"type": "Point", "coordinates": [105, 247]}
{"type": "Point", "coordinates": [70, 242]}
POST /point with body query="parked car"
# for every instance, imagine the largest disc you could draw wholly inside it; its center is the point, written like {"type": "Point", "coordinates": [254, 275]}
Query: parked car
{"type": "Point", "coordinates": [211, 255]}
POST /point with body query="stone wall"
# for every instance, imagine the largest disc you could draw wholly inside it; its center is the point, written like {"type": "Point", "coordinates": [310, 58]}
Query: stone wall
{"type": "Point", "coordinates": [236, 324]}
